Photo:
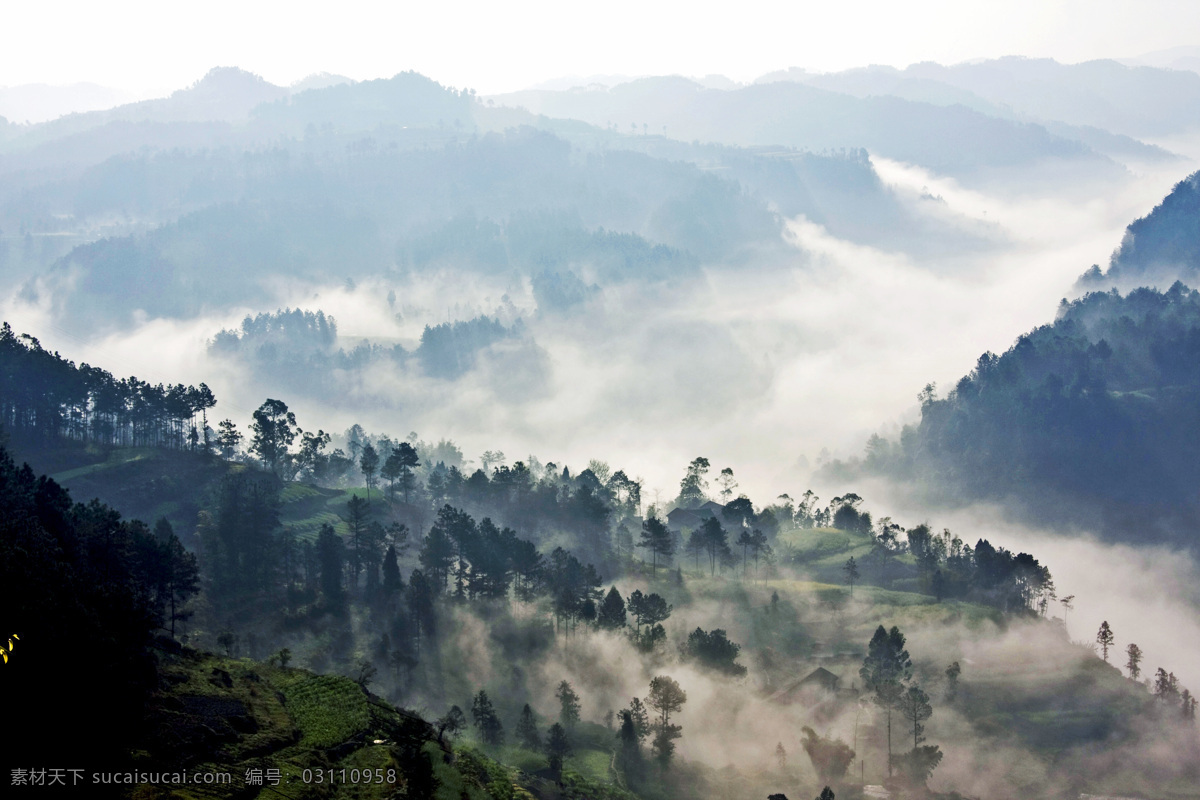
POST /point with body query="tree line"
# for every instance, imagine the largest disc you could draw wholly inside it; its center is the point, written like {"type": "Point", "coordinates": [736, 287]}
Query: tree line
{"type": "Point", "coordinates": [43, 396]}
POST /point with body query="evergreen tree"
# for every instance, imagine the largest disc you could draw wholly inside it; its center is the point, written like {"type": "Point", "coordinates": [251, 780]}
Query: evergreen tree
{"type": "Point", "coordinates": [274, 429]}
{"type": "Point", "coordinates": [914, 706]}
{"type": "Point", "coordinates": [884, 671]}
{"type": "Point", "coordinates": [1134, 654]}
{"type": "Point", "coordinates": [1166, 686]}
{"type": "Point", "coordinates": [627, 735]}
{"type": "Point", "coordinates": [357, 522]}
{"type": "Point", "coordinates": [611, 615]}
{"type": "Point", "coordinates": [658, 540]}
{"type": "Point", "coordinates": [727, 483]}
{"type": "Point", "coordinates": [716, 542]}
{"type": "Point", "coordinates": [693, 485]}
{"type": "Point", "coordinates": [392, 582]}
{"type": "Point", "coordinates": [421, 593]}
{"type": "Point", "coordinates": [558, 747]}
{"type": "Point", "coordinates": [714, 650]}
{"type": "Point", "coordinates": [852, 574]}
{"type": "Point", "coordinates": [1104, 638]}
{"type": "Point", "coordinates": [649, 610]}
{"type": "Point", "coordinates": [330, 557]}
{"type": "Point", "coordinates": [228, 438]}
{"type": "Point", "coordinates": [696, 546]}
{"type": "Point", "coordinates": [830, 757]}
{"type": "Point", "coordinates": [491, 731]}
{"type": "Point", "coordinates": [569, 705]}
{"type": "Point", "coordinates": [453, 722]}
{"type": "Point", "coordinates": [527, 732]}
{"type": "Point", "coordinates": [178, 576]}
{"type": "Point", "coordinates": [952, 673]}
{"type": "Point", "coordinates": [311, 459]}
{"type": "Point", "coordinates": [437, 556]}
{"type": "Point", "coordinates": [666, 697]}
{"type": "Point", "coordinates": [368, 462]}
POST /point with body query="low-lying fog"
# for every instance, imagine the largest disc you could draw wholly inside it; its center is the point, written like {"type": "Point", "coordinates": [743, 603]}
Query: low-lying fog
{"type": "Point", "coordinates": [766, 370]}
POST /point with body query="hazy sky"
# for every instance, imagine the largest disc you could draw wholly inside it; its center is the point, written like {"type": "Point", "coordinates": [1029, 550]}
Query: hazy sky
{"type": "Point", "coordinates": [144, 46]}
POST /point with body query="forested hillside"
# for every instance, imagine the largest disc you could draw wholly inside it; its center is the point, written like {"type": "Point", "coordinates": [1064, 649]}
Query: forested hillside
{"type": "Point", "coordinates": [270, 343]}
{"type": "Point", "coordinates": [559, 636]}
{"type": "Point", "coordinates": [1089, 421]}
{"type": "Point", "coordinates": [1158, 249]}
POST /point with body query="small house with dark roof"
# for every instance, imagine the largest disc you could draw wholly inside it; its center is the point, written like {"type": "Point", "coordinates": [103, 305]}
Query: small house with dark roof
{"type": "Point", "coordinates": [819, 686]}
{"type": "Point", "coordinates": [822, 678]}
{"type": "Point", "coordinates": [686, 519]}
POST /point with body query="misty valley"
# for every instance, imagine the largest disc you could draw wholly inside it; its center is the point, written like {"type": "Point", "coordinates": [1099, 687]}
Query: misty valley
{"type": "Point", "coordinates": [649, 439]}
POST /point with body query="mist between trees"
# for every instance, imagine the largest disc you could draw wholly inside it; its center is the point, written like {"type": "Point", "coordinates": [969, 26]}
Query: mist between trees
{"type": "Point", "coordinates": [551, 617]}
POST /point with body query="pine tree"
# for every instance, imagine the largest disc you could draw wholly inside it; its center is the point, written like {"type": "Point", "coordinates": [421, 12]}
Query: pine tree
{"type": "Point", "coordinates": [658, 540]}
{"type": "Point", "coordinates": [611, 615]}
{"type": "Point", "coordinates": [1135, 658]}
{"type": "Point", "coordinates": [569, 703]}
{"type": "Point", "coordinates": [368, 462]}
{"type": "Point", "coordinates": [1105, 638]}
{"type": "Point", "coordinates": [884, 671]}
{"type": "Point", "coordinates": [491, 731]}
{"type": "Point", "coordinates": [914, 706]}
{"type": "Point", "coordinates": [558, 747]}
{"type": "Point", "coordinates": [527, 732]}
{"type": "Point", "coordinates": [851, 570]}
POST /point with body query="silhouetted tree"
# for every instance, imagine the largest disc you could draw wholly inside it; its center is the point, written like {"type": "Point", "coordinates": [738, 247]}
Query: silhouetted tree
{"type": "Point", "coordinates": [1134, 654]}
{"type": "Point", "coordinates": [274, 429]}
{"type": "Point", "coordinates": [491, 731]}
{"type": "Point", "coordinates": [228, 438]}
{"type": "Point", "coordinates": [368, 462]}
{"type": "Point", "coordinates": [311, 458]}
{"type": "Point", "coordinates": [830, 757]}
{"type": "Point", "coordinates": [693, 485]}
{"type": "Point", "coordinates": [176, 575]}
{"type": "Point", "coordinates": [884, 671]}
{"type": "Point", "coordinates": [914, 706]}
{"type": "Point", "coordinates": [331, 559]}
{"type": "Point", "coordinates": [727, 483]}
{"type": "Point", "coordinates": [1104, 638]}
{"type": "Point", "coordinates": [952, 673]}
{"type": "Point", "coordinates": [611, 615]}
{"type": "Point", "coordinates": [649, 610]}
{"type": "Point", "coordinates": [527, 732]}
{"type": "Point", "coordinates": [666, 697]}
{"type": "Point", "coordinates": [714, 650]}
{"type": "Point", "coordinates": [453, 722]}
{"type": "Point", "coordinates": [852, 574]}
{"type": "Point", "coordinates": [558, 747]}
{"type": "Point", "coordinates": [716, 542]}
{"type": "Point", "coordinates": [658, 540]}
{"type": "Point", "coordinates": [568, 701]}
{"type": "Point", "coordinates": [1166, 686]}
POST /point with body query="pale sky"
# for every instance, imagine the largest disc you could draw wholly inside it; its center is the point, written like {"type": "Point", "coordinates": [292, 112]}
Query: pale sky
{"type": "Point", "coordinates": [149, 45]}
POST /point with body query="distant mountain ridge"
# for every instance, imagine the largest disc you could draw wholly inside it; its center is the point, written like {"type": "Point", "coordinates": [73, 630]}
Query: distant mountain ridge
{"type": "Point", "coordinates": [951, 139]}
{"type": "Point", "coordinates": [1132, 100]}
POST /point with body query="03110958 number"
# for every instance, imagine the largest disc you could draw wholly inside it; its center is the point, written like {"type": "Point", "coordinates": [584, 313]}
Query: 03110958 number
{"type": "Point", "coordinates": [348, 776]}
